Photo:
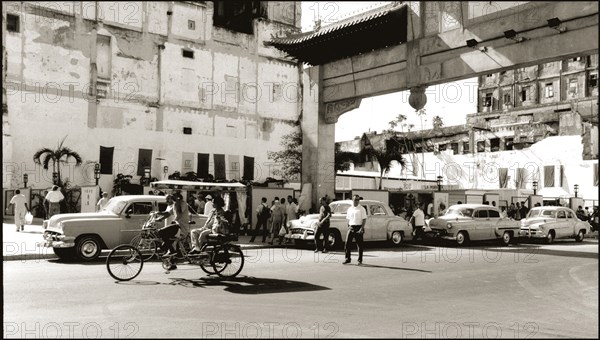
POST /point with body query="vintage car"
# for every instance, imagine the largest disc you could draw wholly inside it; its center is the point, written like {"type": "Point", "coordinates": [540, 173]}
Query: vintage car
{"type": "Point", "coordinates": [84, 235]}
{"type": "Point", "coordinates": [549, 223]}
{"type": "Point", "coordinates": [474, 222]}
{"type": "Point", "coordinates": [381, 225]}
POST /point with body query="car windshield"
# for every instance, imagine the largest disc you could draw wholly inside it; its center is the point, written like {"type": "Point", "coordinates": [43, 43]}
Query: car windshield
{"type": "Point", "coordinates": [114, 206]}
{"type": "Point", "coordinates": [339, 208]}
{"type": "Point", "coordinates": [534, 213]}
{"type": "Point", "coordinates": [468, 212]}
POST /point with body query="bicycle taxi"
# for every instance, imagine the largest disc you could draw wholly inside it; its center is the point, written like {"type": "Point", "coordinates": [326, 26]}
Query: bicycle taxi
{"type": "Point", "coordinates": [219, 256]}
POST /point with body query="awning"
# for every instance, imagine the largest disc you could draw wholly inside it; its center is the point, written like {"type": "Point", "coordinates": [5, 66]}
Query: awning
{"type": "Point", "coordinates": [197, 186]}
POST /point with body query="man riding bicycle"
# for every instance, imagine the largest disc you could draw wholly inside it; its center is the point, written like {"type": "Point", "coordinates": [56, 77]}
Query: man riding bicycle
{"type": "Point", "coordinates": [174, 216]}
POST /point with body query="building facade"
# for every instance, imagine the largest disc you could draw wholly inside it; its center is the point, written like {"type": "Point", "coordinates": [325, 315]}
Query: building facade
{"type": "Point", "coordinates": [182, 86]}
{"type": "Point", "coordinates": [534, 124]}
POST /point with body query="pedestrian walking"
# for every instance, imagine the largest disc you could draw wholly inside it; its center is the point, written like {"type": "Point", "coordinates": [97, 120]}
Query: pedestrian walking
{"type": "Point", "coordinates": [54, 197]}
{"type": "Point", "coordinates": [277, 216]}
{"type": "Point", "coordinates": [323, 227]}
{"type": "Point", "coordinates": [417, 220]}
{"type": "Point", "coordinates": [19, 201]}
{"type": "Point", "coordinates": [263, 213]}
{"type": "Point", "coordinates": [102, 202]}
{"type": "Point", "coordinates": [356, 216]}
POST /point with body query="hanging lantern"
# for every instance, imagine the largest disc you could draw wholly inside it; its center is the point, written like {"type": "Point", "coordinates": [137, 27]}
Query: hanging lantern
{"type": "Point", "coordinates": [417, 98]}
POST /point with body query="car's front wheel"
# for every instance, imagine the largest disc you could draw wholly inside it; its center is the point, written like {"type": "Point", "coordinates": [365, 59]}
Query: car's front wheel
{"type": "Point", "coordinates": [88, 248]}
{"type": "Point", "coordinates": [396, 238]}
{"type": "Point", "coordinates": [580, 236]}
{"type": "Point", "coordinates": [506, 238]}
{"type": "Point", "coordinates": [462, 238]}
{"type": "Point", "coordinates": [64, 253]}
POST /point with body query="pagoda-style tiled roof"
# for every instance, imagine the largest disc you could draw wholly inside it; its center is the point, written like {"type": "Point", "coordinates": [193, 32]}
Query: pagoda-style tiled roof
{"type": "Point", "coordinates": [375, 29]}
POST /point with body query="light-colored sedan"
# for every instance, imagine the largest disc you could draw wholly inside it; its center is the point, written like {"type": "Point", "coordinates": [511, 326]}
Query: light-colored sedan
{"type": "Point", "coordinates": [381, 224]}
{"type": "Point", "coordinates": [550, 223]}
{"type": "Point", "coordinates": [84, 235]}
{"type": "Point", "coordinates": [474, 222]}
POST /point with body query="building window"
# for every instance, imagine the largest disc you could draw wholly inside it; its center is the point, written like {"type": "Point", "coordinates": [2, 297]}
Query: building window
{"type": "Point", "coordinates": [549, 90]}
{"type": "Point", "coordinates": [572, 87]}
{"type": "Point", "coordinates": [503, 177]}
{"type": "Point", "coordinates": [508, 143]}
{"type": "Point", "coordinates": [596, 174]}
{"type": "Point", "coordinates": [487, 101]}
{"type": "Point", "coordinates": [489, 75]}
{"type": "Point", "coordinates": [465, 147]}
{"type": "Point", "coordinates": [191, 25]}
{"type": "Point", "coordinates": [144, 160]}
{"type": "Point", "coordinates": [442, 147]}
{"type": "Point", "coordinates": [187, 53]}
{"type": "Point", "coordinates": [236, 15]}
{"type": "Point", "coordinates": [12, 23]}
{"type": "Point", "coordinates": [454, 147]}
{"type": "Point", "coordinates": [248, 168]}
{"type": "Point", "coordinates": [525, 93]}
{"type": "Point", "coordinates": [548, 176]}
{"type": "Point", "coordinates": [481, 146]}
{"type": "Point", "coordinates": [593, 80]}
{"type": "Point", "coordinates": [495, 144]}
{"type": "Point", "coordinates": [106, 160]}
{"type": "Point", "coordinates": [563, 179]}
{"type": "Point", "coordinates": [507, 99]}
{"type": "Point", "coordinates": [577, 59]}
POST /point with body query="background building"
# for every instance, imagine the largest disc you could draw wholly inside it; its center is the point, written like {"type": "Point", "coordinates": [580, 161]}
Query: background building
{"type": "Point", "coordinates": [186, 85]}
{"type": "Point", "coordinates": [537, 123]}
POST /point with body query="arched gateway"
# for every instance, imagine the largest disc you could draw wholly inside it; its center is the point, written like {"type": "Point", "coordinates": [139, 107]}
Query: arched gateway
{"type": "Point", "coordinates": [411, 45]}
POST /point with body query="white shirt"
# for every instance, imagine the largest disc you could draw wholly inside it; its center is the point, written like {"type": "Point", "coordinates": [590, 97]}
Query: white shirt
{"type": "Point", "coordinates": [102, 203]}
{"type": "Point", "coordinates": [419, 218]}
{"type": "Point", "coordinates": [291, 210]}
{"type": "Point", "coordinates": [356, 215]}
{"type": "Point", "coordinates": [208, 207]}
{"type": "Point", "coordinates": [19, 202]}
{"type": "Point", "coordinates": [55, 196]}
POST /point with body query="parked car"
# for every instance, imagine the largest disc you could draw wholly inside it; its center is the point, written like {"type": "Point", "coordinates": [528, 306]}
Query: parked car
{"type": "Point", "coordinates": [84, 235]}
{"type": "Point", "coordinates": [550, 223]}
{"type": "Point", "coordinates": [474, 222]}
{"type": "Point", "coordinates": [381, 224]}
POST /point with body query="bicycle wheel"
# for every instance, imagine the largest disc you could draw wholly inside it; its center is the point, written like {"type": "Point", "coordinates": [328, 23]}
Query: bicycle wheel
{"type": "Point", "coordinates": [125, 262]}
{"type": "Point", "coordinates": [205, 260]}
{"type": "Point", "coordinates": [147, 246]}
{"type": "Point", "coordinates": [228, 260]}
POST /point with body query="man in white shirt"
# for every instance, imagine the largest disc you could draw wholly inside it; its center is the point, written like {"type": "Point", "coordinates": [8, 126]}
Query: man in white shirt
{"type": "Point", "coordinates": [54, 198]}
{"type": "Point", "coordinates": [419, 221]}
{"type": "Point", "coordinates": [21, 208]}
{"type": "Point", "coordinates": [102, 202]}
{"type": "Point", "coordinates": [208, 207]}
{"type": "Point", "coordinates": [356, 216]}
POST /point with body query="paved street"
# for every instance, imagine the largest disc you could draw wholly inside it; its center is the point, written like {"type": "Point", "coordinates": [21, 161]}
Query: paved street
{"type": "Point", "coordinates": [528, 290]}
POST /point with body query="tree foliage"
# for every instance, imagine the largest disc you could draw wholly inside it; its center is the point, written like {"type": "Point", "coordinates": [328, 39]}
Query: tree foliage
{"type": "Point", "coordinates": [289, 160]}
{"type": "Point", "coordinates": [343, 159]}
{"type": "Point", "coordinates": [386, 156]}
{"type": "Point", "coordinates": [61, 154]}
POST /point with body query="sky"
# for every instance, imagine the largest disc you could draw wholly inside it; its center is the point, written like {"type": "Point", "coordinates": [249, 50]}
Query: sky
{"type": "Point", "coordinates": [451, 101]}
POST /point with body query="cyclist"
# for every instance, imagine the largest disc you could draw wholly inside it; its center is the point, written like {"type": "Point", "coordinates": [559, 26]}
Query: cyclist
{"type": "Point", "coordinates": [215, 224]}
{"type": "Point", "coordinates": [174, 216]}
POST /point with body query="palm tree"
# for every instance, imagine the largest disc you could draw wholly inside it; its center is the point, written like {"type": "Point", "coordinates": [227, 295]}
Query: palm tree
{"type": "Point", "coordinates": [59, 155]}
{"type": "Point", "coordinates": [385, 155]}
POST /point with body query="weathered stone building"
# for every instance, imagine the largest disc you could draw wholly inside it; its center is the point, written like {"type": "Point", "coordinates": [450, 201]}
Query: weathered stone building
{"type": "Point", "coordinates": [537, 123]}
{"type": "Point", "coordinates": [187, 85]}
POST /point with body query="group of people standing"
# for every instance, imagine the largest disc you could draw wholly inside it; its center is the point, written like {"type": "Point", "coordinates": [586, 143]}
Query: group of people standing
{"type": "Point", "coordinates": [51, 205]}
{"type": "Point", "coordinates": [272, 220]}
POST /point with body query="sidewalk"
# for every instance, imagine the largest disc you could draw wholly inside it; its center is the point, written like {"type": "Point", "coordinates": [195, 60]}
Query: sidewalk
{"type": "Point", "coordinates": [23, 246]}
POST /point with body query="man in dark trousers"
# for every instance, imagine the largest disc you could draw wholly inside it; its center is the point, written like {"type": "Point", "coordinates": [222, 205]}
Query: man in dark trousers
{"type": "Point", "coordinates": [322, 226]}
{"type": "Point", "coordinates": [356, 216]}
{"type": "Point", "coordinates": [262, 216]}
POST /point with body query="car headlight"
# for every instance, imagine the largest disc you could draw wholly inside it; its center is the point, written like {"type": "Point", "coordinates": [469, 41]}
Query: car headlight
{"type": "Point", "coordinates": [449, 225]}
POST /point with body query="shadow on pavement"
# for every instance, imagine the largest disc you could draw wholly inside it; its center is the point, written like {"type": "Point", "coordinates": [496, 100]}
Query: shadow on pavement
{"type": "Point", "coordinates": [532, 251]}
{"type": "Point", "coordinates": [395, 268]}
{"type": "Point", "coordinates": [239, 285]}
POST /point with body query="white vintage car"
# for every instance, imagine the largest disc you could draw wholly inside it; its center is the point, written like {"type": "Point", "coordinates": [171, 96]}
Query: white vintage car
{"type": "Point", "coordinates": [474, 222]}
{"type": "Point", "coordinates": [381, 225]}
{"type": "Point", "coordinates": [549, 223]}
{"type": "Point", "coordinates": [84, 235]}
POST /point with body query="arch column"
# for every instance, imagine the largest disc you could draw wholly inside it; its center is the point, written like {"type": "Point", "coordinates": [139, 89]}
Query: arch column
{"type": "Point", "coordinates": [318, 134]}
